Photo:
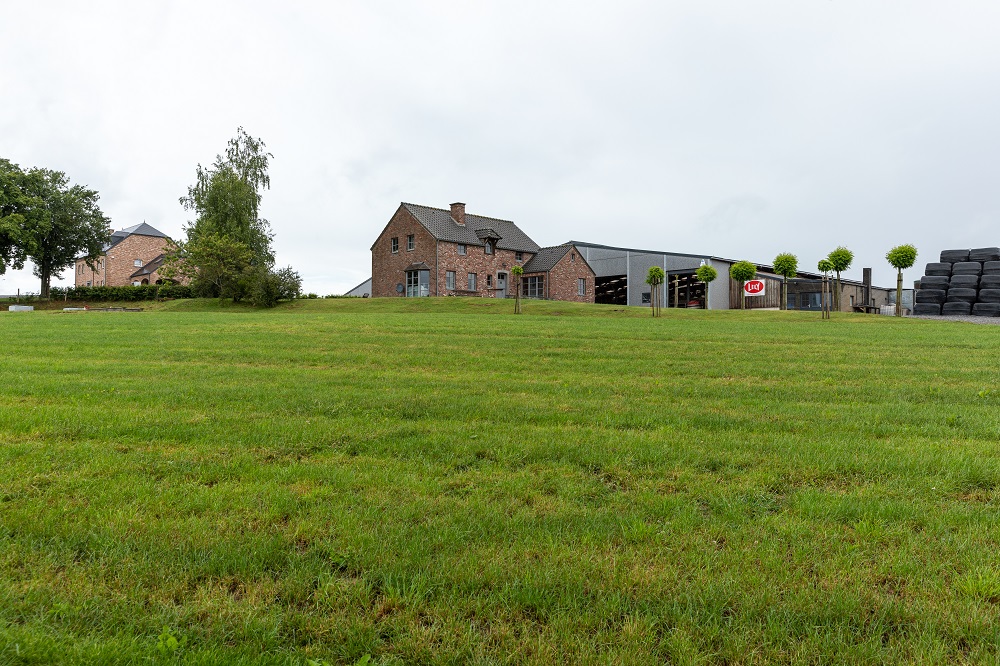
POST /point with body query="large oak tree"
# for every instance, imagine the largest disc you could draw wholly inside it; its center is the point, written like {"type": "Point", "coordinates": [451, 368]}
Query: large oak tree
{"type": "Point", "coordinates": [49, 221]}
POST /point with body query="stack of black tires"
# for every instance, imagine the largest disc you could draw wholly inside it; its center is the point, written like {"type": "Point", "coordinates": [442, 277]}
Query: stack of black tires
{"type": "Point", "coordinates": [964, 282]}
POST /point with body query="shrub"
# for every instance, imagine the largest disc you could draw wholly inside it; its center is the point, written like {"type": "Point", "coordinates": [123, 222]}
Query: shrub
{"type": "Point", "coordinates": [146, 292]}
{"type": "Point", "coordinates": [270, 287]}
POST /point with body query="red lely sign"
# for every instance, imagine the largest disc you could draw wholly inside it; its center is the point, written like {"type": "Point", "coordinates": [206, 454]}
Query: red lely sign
{"type": "Point", "coordinates": [753, 288]}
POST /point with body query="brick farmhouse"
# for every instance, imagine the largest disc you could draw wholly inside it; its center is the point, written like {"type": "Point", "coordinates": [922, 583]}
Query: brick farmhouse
{"type": "Point", "coordinates": [426, 251]}
{"type": "Point", "coordinates": [131, 256]}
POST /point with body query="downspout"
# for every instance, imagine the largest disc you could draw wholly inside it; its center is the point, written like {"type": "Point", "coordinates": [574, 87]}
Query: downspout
{"type": "Point", "coordinates": [437, 268]}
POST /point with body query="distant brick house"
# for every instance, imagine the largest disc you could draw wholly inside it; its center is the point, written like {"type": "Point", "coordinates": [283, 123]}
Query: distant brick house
{"type": "Point", "coordinates": [426, 251]}
{"type": "Point", "coordinates": [132, 256]}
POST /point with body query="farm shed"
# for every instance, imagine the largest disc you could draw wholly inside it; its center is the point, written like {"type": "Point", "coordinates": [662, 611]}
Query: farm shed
{"type": "Point", "coordinates": [621, 276]}
{"type": "Point", "coordinates": [621, 280]}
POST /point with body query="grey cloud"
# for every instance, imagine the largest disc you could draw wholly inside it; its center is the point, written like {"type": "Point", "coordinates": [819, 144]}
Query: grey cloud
{"type": "Point", "coordinates": [670, 125]}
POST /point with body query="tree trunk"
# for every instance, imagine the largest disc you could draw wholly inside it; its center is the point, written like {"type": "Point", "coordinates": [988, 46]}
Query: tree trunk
{"type": "Point", "coordinates": [46, 281]}
{"type": "Point", "coordinates": [822, 298]}
{"type": "Point", "coordinates": [836, 296]}
{"type": "Point", "coordinates": [828, 297]}
{"type": "Point", "coordinates": [899, 294]}
{"type": "Point", "coordinates": [517, 295]}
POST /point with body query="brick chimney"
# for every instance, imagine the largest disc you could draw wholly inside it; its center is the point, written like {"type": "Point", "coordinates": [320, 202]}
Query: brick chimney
{"type": "Point", "coordinates": [458, 213]}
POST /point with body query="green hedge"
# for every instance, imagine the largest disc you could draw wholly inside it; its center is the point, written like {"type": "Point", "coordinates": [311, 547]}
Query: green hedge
{"type": "Point", "coordinates": [143, 293]}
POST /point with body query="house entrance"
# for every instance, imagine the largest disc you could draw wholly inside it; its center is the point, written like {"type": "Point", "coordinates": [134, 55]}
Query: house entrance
{"type": "Point", "coordinates": [501, 285]}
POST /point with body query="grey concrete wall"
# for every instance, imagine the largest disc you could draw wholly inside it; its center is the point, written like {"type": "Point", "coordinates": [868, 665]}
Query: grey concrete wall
{"type": "Point", "coordinates": [718, 289]}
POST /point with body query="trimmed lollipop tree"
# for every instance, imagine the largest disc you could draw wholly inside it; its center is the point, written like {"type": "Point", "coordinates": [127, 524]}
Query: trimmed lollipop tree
{"type": "Point", "coordinates": [825, 266]}
{"type": "Point", "coordinates": [840, 260]}
{"type": "Point", "coordinates": [706, 274]}
{"type": "Point", "coordinates": [517, 272]}
{"type": "Point", "coordinates": [742, 271]}
{"type": "Point", "coordinates": [787, 266]}
{"type": "Point", "coordinates": [654, 278]}
{"type": "Point", "coordinates": [901, 257]}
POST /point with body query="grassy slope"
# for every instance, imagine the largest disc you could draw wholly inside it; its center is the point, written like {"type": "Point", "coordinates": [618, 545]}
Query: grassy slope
{"type": "Point", "coordinates": [442, 482]}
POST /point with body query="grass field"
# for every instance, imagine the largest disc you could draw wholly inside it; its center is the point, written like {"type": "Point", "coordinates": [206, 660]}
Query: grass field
{"type": "Point", "coordinates": [438, 481]}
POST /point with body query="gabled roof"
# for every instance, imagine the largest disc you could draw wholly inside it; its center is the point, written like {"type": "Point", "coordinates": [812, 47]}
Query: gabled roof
{"type": "Point", "coordinates": [548, 257]}
{"type": "Point", "coordinates": [443, 227]}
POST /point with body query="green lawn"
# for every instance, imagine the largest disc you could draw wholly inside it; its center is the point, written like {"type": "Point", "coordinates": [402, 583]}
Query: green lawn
{"type": "Point", "coordinates": [438, 481]}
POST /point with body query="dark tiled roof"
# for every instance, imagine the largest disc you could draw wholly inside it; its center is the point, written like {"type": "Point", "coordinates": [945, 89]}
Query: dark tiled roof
{"type": "Point", "coordinates": [141, 229]}
{"type": "Point", "coordinates": [150, 267]}
{"type": "Point", "coordinates": [441, 225]}
{"type": "Point", "coordinates": [421, 266]}
{"type": "Point", "coordinates": [546, 258]}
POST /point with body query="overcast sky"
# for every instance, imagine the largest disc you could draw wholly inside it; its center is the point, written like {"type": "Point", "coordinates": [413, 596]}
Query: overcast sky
{"type": "Point", "coordinates": [739, 129]}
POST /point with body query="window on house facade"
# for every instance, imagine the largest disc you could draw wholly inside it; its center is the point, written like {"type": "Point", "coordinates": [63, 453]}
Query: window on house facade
{"type": "Point", "coordinates": [88, 283]}
{"type": "Point", "coordinates": [449, 280]}
{"type": "Point", "coordinates": [519, 256]}
{"type": "Point", "coordinates": [533, 286]}
{"type": "Point", "coordinates": [395, 245]}
{"type": "Point", "coordinates": [581, 286]}
{"type": "Point", "coordinates": [472, 281]}
{"type": "Point", "coordinates": [418, 283]}
{"type": "Point", "coordinates": [138, 262]}
{"type": "Point", "coordinates": [461, 249]}
{"type": "Point", "coordinates": [645, 297]}
{"type": "Point", "coordinates": [489, 247]}
{"type": "Point", "coordinates": [791, 301]}
{"type": "Point", "coordinates": [489, 281]}
{"type": "Point", "coordinates": [410, 243]}
{"type": "Point", "coordinates": [572, 257]}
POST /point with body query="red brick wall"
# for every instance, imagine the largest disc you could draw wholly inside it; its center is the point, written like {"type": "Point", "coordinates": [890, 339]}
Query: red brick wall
{"type": "Point", "coordinates": [560, 282]}
{"type": "Point", "coordinates": [121, 261]}
{"type": "Point", "coordinates": [388, 269]}
{"type": "Point", "coordinates": [475, 261]}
